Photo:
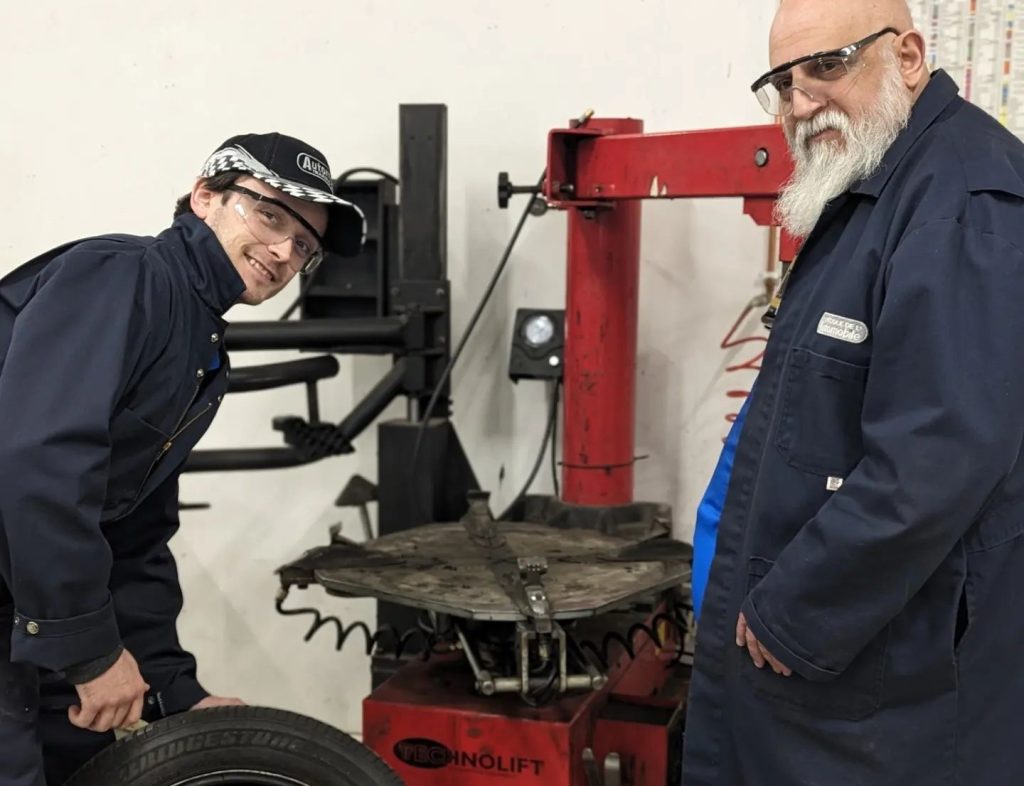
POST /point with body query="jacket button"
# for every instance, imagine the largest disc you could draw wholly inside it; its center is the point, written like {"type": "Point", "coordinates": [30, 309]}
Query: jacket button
{"type": "Point", "coordinates": [32, 628]}
{"type": "Point", "coordinates": [200, 373]}
{"type": "Point", "coordinates": [214, 338]}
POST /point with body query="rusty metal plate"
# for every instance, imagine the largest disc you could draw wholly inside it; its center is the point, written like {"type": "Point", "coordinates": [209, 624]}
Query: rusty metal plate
{"type": "Point", "coordinates": [438, 568]}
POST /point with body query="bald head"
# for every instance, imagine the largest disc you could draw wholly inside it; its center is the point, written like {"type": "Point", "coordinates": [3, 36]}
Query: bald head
{"type": "Point", "coordinates": [805, 26]}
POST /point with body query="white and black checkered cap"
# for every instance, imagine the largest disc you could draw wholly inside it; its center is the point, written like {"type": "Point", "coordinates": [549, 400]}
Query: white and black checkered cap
{"type": "Point", "coordinates": [290, 165]}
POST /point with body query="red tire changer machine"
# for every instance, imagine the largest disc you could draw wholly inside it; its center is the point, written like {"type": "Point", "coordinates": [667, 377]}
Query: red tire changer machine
{"type": "Point", "coordinates": [557, 641]}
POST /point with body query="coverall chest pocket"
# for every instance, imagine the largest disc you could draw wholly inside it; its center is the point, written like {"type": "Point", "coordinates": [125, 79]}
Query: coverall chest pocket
{"type": "Point", "coordinates": [818, 427]}
{"type": "Point", "coordinates": [135, 443]}
{"type": "Point", "coordinates": [853, 694]}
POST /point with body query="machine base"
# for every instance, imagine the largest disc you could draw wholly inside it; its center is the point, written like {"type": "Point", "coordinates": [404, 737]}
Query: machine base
{"type": "Point", "coordinates": [427, 723]}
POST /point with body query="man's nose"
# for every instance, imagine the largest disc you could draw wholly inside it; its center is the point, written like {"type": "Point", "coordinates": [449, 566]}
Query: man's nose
{"type": "Point", "coordinates": [805, 105]}
{"type": "Point", "coordinates": [282, 249]}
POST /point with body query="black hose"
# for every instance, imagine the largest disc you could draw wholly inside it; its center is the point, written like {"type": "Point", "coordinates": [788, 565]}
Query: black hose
{"type": "Point", "coordinates": [477, 313]}
{"type": "Point", "coordinates": [549, 433]}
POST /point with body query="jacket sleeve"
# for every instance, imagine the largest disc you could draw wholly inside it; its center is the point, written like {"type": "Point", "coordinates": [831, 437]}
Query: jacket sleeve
{"type": "Point", "coordinates": [148, 599]}
{"type": "Point", "coordinates": [942, 426]}
{"type": "Point", "coordinates": [71, 349]}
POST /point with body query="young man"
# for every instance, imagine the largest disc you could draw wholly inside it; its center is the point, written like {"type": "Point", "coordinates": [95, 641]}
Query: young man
{"type": "Point", "coordinates": [112, 366]}
{"type": "Point", "coordinates": [859, 626]}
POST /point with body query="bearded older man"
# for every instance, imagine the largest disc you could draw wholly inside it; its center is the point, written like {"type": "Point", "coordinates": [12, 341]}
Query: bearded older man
{"type": "Point", "coordinates": [859, 625]}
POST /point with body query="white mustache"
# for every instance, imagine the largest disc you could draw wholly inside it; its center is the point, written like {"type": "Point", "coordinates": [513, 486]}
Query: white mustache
{"type": "Point", "coordinates": [829, 120]}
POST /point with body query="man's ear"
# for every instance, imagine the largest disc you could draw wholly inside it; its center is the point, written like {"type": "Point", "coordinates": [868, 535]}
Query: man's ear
{"type": "Point", "coordinates": [913, 66]}
{"type": "Point", "coordinates": [202, 200]}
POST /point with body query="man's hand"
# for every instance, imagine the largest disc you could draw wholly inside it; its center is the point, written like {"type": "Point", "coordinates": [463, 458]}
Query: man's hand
{"type": "Point", "coordinates": [746, 638]}
{"type": "Point", "coordinates": [218, 701]}
{"type": "Point", "coordinates": [112, 700]}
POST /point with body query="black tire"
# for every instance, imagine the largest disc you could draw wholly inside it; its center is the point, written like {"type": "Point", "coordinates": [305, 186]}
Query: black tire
{"type": "Point", "coordinates": [254, 746]}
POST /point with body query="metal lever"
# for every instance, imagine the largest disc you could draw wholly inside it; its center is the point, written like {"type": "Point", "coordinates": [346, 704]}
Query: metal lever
{"type": "Point", "coordinates": [358, 492]}
{"type": "Point", "coordinates": [612, 769]}
{"type": "Point", "coordinates": [590, 768]}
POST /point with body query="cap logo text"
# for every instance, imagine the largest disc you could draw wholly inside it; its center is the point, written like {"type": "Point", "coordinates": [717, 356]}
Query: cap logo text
{"type": "Point", "coordinates": [315, 167]}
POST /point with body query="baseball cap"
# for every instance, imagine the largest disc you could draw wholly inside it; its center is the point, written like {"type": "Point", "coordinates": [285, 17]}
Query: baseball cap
{"type": "Point", "coordinates": [290, 165]}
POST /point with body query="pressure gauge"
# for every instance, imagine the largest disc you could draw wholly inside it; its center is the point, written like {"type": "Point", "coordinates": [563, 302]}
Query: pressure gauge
{"type": "Point", "coordinates": [538, 330]}
{"type": "Point", "coordinates": [538, 340]}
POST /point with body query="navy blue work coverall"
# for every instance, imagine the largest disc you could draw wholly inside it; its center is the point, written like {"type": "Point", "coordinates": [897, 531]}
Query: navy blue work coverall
{"type": "Point", "coordinates": [896, 368]}
{"type": "Point", "coordinates": [112, 366]}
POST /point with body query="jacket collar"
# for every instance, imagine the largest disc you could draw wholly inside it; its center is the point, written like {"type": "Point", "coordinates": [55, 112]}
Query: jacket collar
{"type": "Point", "coordinates": [938, 94]}
{"type": "Point", "coordinates": [206, 265]}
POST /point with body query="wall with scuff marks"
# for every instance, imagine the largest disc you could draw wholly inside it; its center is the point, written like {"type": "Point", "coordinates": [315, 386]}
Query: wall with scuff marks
{"type": "Point", "coordinates": [110, 107]}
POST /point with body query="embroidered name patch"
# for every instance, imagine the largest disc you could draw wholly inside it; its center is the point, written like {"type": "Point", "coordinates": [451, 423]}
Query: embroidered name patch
{"type": "Point", "coordinates": [843, 328]}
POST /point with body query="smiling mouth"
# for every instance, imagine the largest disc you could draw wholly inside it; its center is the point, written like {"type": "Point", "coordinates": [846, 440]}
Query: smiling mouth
{"type": "Point", "coordinates": [826, 134]}
{"type": "Point", "coordinates": [261, 269]}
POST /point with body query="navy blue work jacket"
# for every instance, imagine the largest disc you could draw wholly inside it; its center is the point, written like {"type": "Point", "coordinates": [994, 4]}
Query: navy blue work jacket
{"type": "Point", "coordinates": [873, 530]}
{"type": "Point", "coordinates": [112, 367]}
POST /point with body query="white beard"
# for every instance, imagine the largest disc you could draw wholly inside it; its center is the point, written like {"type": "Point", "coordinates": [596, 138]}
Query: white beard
{"type": "Point", "coordinates": [824, 170]}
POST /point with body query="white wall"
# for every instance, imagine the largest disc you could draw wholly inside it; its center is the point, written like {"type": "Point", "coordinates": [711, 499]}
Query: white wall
{"type": "Point", "coordinates": [108, 109]}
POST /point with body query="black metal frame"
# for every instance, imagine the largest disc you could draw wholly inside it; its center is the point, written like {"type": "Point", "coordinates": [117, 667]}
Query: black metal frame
{"type": "Point", "coordinates": [392, 299]}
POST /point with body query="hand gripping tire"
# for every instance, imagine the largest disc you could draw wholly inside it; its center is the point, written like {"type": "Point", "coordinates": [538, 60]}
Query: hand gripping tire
{"type": "Point", "coordinates": [227, 746]}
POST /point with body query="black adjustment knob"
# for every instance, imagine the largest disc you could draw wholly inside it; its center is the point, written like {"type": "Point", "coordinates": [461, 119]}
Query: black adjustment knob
{"type": "Point", "coordinates": [506, 189]}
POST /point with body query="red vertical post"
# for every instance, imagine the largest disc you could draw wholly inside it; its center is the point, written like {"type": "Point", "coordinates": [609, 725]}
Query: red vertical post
{"type": "Point", "coordinates": [600, 349]}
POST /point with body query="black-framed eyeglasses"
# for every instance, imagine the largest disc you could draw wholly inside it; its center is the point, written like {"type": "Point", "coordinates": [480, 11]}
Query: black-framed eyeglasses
{"type": "Point", "coordinates": [825, 76]}
{"type": "Point", "coordinates": [271, 222]}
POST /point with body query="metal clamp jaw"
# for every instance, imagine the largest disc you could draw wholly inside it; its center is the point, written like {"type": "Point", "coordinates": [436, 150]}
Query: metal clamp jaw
{"type": "Point", "coordinates": [541, 646]}
{"type": "Point", "coordinates": [531, 569]}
